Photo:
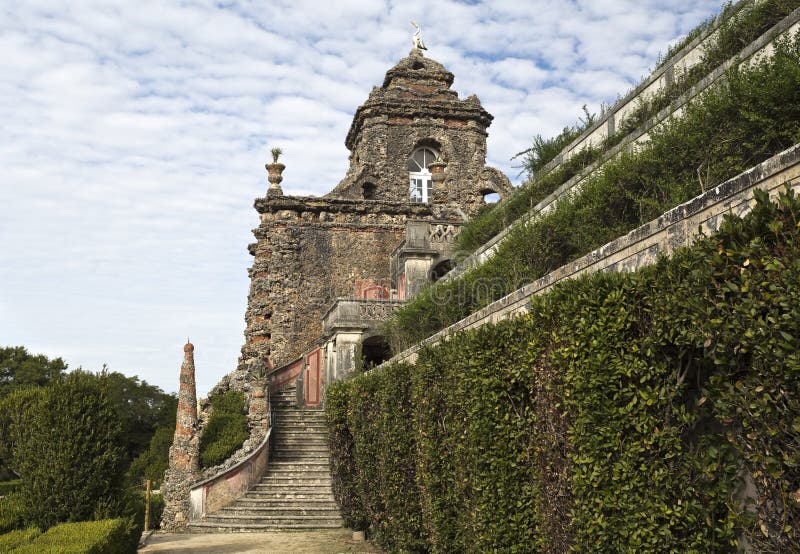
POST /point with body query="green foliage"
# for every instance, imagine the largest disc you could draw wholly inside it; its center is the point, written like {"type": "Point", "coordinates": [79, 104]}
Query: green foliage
{"type": "Point", "coordinates": [543, 151]}
{"type": "Point", "coordinates": [741, 24]}
{"type": "Point", "coordinates": [142, 409]}
{"type": "Point", "coordinates": [70, 460]}
{"type": "Point", "coordinates": [344, 471]}
{"type": "Point", "coordinates": [153, 462]}
{"type": "Point", "coordinates": [226, 430]}
{"type": "Point", "coordinates": [12, 512]}
{"type": "Point", "coordinates": [19, 368]}
{"type": "Point", "coordinates": [7, 487]}
{"type": "Point", "coordinates": [15, 539]}
{"type": "Point", "coordinates": [621, 415]}
{"type": "Point", "coordinates": [110, 536]}
{"type": "Point", "coordinates": [752, 115]}
{"type": "Point", "coordinates": [156, 510]}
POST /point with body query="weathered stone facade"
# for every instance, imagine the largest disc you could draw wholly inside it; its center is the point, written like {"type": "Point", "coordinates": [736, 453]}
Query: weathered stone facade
{"type": "Point", "coordinates": [310, 251]}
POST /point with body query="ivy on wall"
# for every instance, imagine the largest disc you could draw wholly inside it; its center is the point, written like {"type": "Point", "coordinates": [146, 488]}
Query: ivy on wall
{"type": "Point", "coordinates": [656, 411]}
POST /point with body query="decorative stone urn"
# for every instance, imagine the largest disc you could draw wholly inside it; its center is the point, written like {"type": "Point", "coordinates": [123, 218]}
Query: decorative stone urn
{"type": "Point", "coordinates": [275, 174]}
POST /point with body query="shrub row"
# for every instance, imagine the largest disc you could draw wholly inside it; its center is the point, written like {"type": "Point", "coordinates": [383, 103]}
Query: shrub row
{"type": "Point", "coordinates": [226, 429]}
{"type": "Point", "coordinates": [625, 413]}
{"type": "Point", "coordinates": [740, 26]}
{"type": "Point", "coordinates": [752, 115]}
{"type": "Point", "coordinates": [111, 536]}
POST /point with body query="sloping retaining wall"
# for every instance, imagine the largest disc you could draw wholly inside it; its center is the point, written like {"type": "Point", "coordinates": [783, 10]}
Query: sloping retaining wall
{"type": "Point", "coordinates": [761, 46]}
{"type": "Point", "coordinates": [214, 493]}
{"type": "Point", "coordinates": [641, 247]}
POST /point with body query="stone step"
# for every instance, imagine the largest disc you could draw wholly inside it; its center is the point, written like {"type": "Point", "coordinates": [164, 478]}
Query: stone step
{"type": "Point", "coordinates": [228, 527]}
{"type": "Point", "coordinates": [272, 520]}
{"type": "Point", "coordinates": [294, 481]}
{"type": "Point", "coordinates": [297, 455]}
{"type": "Point", "coordinates": [279, 511]}
{"type": "Point", "coordinates": [279, 487]}
{"type": "Point", "coordinates": [299, 434]}
{"type": "Point", "coordinates": [301, 502]}
{"type": "Point", "coordinates": [311, 464]}
{"type": "Point", "coordinates": [285, 473]}
{"type": "Point", "coordinates": [287, 496]}
{"type": "Point", "coordinates": [292, 442]}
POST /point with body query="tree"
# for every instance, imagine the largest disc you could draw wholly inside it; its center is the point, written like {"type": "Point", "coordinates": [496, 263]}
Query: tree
{"type": "Point", "coordinates": [142, 409]}
{"type": "Point", "coordinates": [19, 368]}
{"type": "Point", "coordinates": [72, 462]}
{"type": "Point", "coordinates": [153, 462]}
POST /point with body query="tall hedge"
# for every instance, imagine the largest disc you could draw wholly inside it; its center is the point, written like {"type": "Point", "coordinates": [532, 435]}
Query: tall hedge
{"type": "Point", "coordinates": [71, 460]}
{"type": "Point", "coordinates": [657, 411]}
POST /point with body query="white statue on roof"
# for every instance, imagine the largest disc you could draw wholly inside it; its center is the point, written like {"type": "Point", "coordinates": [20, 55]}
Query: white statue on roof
{"type": "Point", "coordinates": [417, 38]}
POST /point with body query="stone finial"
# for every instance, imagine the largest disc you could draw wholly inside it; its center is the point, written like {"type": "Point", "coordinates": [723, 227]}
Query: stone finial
{"type": "Point", "coordinates": [275, 173]}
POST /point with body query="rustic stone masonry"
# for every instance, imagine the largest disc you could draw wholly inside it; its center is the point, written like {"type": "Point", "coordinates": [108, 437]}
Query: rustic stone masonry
{"type": "Point", "coordinates": [309, 250]}
{"type": "Point", "coordinates": [184, 452]}
{"type": "Point", "coordinates": [184, 465]}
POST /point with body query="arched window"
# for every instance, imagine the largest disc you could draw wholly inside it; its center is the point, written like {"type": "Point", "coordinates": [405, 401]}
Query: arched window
{"type": "Point", "coordinates": [419, 175]}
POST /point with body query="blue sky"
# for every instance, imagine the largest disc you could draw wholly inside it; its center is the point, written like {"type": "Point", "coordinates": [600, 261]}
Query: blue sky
{"type": "Point", "coordinates": [135, 135]}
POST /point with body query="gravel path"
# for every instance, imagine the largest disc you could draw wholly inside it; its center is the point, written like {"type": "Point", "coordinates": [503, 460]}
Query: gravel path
{"type": "Point", "coordinates": [277, 542]}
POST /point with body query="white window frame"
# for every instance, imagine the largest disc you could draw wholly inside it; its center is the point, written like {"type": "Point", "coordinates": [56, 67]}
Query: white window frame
{"type": "Point", "coordinates": [420, 180]}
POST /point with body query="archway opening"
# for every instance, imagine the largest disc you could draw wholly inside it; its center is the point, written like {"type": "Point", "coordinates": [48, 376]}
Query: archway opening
{"type": "Point", "coordinates": [375, 350]}
{"type": "Point", "coordinates": [441, 269]}
{"type": "Point", "coordinates": [490, 196]}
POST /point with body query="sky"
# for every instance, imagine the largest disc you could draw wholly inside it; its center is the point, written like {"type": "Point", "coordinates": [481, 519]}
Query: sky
{"type": "Point", "coordinates": [134, 137]}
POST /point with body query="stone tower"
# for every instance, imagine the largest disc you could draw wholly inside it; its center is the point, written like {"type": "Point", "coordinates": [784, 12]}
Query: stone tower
{"type": "Point", "coordinates": [415, 108]}
{"type": "Point", "coordinates": [418, 154]}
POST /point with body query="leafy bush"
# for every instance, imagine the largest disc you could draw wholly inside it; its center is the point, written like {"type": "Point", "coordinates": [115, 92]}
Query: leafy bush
{"type": "Point", "coordinates": [624, 413]}
{"type": "Point", "coordinates": [752, 115]}
{"type": "Point", "coordinates": [741, 24]}
{"type": "Point", "coordinates": [12, 512]}
{"type": "Point", "coordinates": [110, 536]}
{"type": "Point", "coordinates": [153, 462]}
{"type": "Point", "coordinates": [7, 487]}
{"type": "Point", "coordinates": [226, 430]}
{"type": "Point", "coordinates": [156, 510]}
{"type": "Point", "coordinates": [71, 459]}
{"type": "Point", "coordinates": [15, 539]}
{"type": "Point", "coordinates": [343, 465]}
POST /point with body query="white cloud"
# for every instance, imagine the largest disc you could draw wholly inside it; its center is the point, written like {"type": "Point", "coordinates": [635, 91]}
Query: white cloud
{"type": "Point", "coordinates": [135, 133]}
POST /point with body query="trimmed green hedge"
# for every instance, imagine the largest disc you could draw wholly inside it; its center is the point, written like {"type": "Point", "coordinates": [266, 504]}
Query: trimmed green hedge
{"type": "Point", "coordinates": [109, 536]}
{"type": "Point", "coordinates": [226, 430]}
{"type": "Point", "coordinates": [752, 115]}
{"type": "Point", "coordinates": [15, 539]}
{"type": "Point", "coordinates": [625, 413]}
{"type": "Point", "coordinates": [7, 487]}
{"type": "Point", "coordinates": [741, 24]}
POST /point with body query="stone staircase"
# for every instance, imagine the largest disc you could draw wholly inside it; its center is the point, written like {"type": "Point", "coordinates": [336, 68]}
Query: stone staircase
{"type": "Point", "coordinates": [295, 492]}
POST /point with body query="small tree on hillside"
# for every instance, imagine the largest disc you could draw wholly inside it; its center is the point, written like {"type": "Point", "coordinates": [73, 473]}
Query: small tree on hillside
{"type": "Point", "coordinates": [72, 461]}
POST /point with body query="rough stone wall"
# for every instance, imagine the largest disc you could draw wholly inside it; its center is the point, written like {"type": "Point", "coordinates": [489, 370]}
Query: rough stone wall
{"type": "Point", "coordinates": [311, 251]}
{"type": "Point", "coordinates": [415, 107]}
